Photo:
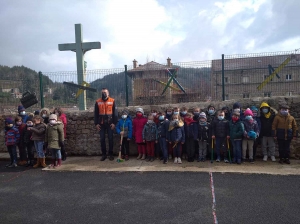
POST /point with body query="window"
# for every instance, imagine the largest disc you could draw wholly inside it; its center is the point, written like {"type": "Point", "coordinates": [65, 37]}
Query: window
{"type": "Point", "coordinates": [226, 80]}
{"type": "Point", "coordinates": [245, 79]}
{"type": "Point", "coordinates": [266, 76]}
{"type": "Point", "coordinates": [288, 77]}
{"type": "Point", "coordinates": [246, 95]}
{"type": "Point", "coordinates": [267, 94]}
{"type": "Point", "coordinates": [289, 93]}
{"type": "Point", "coordinates": [226, 97]}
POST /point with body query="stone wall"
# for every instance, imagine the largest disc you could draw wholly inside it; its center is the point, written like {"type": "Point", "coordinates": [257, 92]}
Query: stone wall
{"type": "Point", "coordinates": [83, 139]}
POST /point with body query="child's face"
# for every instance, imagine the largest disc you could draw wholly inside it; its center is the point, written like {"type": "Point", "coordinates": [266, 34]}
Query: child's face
{"type": "Point", "coordinates": [150, 117]}
{"type": "Point", "coordinates": [196, 110]}
{"type": "Point", "coordinates": [37, 121]}
{"type": "Point", "coordinates": [202, 119]}
{"type": "Point", "coordinates": [221, 114]}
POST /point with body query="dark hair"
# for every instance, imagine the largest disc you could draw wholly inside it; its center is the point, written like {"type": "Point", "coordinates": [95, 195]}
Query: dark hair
{"type": "Point", "coordinates": [18, 118]}
{"type": "Point", "coordinates": [59, 111]}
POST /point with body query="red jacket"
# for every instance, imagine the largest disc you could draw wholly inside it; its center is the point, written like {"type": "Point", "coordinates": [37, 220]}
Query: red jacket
{"type": "Point", "coordinates": [63, 119]}
{"type": "Point", "coordinates": [138, 126]}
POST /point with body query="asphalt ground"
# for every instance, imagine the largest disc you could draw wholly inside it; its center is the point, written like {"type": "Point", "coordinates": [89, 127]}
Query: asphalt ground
{"type": "Point", "coordinates": [36, 196]}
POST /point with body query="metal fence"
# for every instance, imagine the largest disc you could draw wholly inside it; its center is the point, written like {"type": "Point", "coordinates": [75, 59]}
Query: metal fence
{"type": "Point", "coordinates": [227, 78]}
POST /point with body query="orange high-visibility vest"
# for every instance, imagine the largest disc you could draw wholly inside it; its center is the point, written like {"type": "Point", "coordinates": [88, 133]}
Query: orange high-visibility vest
{"type": "Point", "coordinates": [105, 107]}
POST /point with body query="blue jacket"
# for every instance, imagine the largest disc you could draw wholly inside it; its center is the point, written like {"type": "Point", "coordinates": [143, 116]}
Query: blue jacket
{"type": "Point", "coordinates": [162, 129]}
{"type": "Point", "coordinates": [150, 132]}
{"type": "Point", "coordinates": [12, 136]}
{"type": "Point", "coordinates": [176, 135]}
{"type": "Point", "coordinates": [24, 118]}
{"type": "Point", "coordinates": [126, 126]}
{"type": "Point", "coordinates": [191, 131]}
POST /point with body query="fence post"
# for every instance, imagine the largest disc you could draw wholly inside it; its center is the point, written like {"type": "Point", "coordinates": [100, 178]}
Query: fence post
{"type": "Point", "coordinates": [223, 79]}
{"type": "Point", "coordinates": [41, 89]}
{"type": "Point", "coordinates": [126, 86]}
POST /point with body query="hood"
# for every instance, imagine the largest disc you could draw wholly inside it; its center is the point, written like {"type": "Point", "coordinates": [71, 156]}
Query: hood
{"type": "Point", "coordinates": [264, 105]}
{"type": "Point", "coordinates": [47, 110]}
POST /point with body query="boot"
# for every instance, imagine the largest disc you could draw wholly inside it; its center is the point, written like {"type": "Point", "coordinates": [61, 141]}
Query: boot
{"type": "Point", "coordinates": [143, 157]}
{"type": "Point", "coordinates": [38, 162]}
{"type": "Point", "coordinates": [59, 163]}
{"type": "Point", "coordinates": [42, 162]}
{"type": "Point", "coordinates": [139, 156]}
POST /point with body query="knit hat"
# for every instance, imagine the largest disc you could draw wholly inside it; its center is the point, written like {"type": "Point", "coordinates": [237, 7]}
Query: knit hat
{"type": "Point", "coordinates": [125, 111]}
{"type": "Point", "coordinates": [36, 112]}
{"type": "Point", "coordinates": [253, 108]}
{"type": "Point", "coordinates": [9, 120]}
{"type": "Point", "coordinates": [248, 112]}
{"type": "Point", "coordinates": [29, 119]}
{"type": "Point", "coordinates": [20, 108]}
{"type": "Point", "coordinates": [53, 117]}
{"type": "Point", "coordinates": [236, 105]}
{"type": "Point", "coordinates": [139, 109]}
{"type": "Point", "coordinates": [202, 115]}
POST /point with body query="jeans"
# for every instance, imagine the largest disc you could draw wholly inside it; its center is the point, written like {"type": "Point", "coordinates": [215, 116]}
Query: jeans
{"type": "Point", "coordinates": [106, 128]}
{"type": "Point", "coordinates": [176, 148]}
{"type": "Point", "coordinates": [202, 149]}
{"type": "Point", "coordinates": [268, 142]}
{"type": "Point", "coordinates": [163, 146]}
{"type": "Point", "coordinates": [221, 144]}
{"type": "Point", "coordinates": [237, 150]}
{"type": "Point", "coordinates": [284, 148]}
{"type": "Point", "coordinates": [39, 149]}
{"type": "Point", "coordinates": [12, 150]}
{"type": "Point", "coordinates": [56, 153]}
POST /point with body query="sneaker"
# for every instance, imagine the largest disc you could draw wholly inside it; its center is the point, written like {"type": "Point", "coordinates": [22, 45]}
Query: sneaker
{"type": "Point", "coordinates": [179, 160]}
{"type": "Point", "coordinates": [126, 157]}
{"type": "Point", "coordinates": [13, 165]}
{"type": "Point", "coordinates": [165, 161]}
{"type": "Point", "coordinates": [226, 161]}
{"type": "Point", "coordinates": [103, 158]}
{"type": "Point", "coordinates": [111, 158]}
{"type": "Point", "coordinates": [122, 157]}
{"type": "Point", "coordinates": [7, 165]}
{"type": "Point", "coordinates": [218, 160]}
{"type": "Point", "coordinates": [265, 158]}
{"type": "Point", "coordinates": [281, 161]}
{"type": "Point", "coordinates": [176, 160]}
{"type": "Point", "coordinates": [287, 161]}
{"type": "Point", "coordinates": [273, 159]}
{"type": "Point", "coordinates": [251, 161]}
{"type": "Point", "coordinates": [148, 159]}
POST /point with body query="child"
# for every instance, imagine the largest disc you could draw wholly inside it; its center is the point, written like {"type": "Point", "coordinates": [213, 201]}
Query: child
{"type": "Point", "coordinates": [211, 113]}
{"type": "Point", "coordinates": [220, 132]}
{"type": "Point", "coordinates": [22, 113]}
{"type": "Point", "coordinates": [61, 116]}
{"type": "Point", "coordinates": [22, 152]}
{"type": "Point", "coordinates": [266, 119]}
{"type": "Point", "coordinates": [176, 136]}
{"type": "Point", "coordinates": [38, 136]}
{"type": "Point", "coordinates": [203, 134]}
{"type": "Point", "coordinates": [169, 113]}
{"type": "Point", "coordinates": [284, 129]}
{"type": "Point", "coordinates": [54, 139]}
{"type": "Point", "coordinates": [236, 129]}
{"type": "Point", "coordinates": [256, 117]}
{"type": "Point", "coordinates": [138, 125]}
{"type": "Point", "coordinates": [227, 113]}
{"type": "Point", "coordinates": [251, 132]}
{"type": "Point", "coordinates": [12, 137]}
{"type": "Point", "coordinates": [162, 131]}
{"type": "Point", "coordinates": [150, 137]}
{"type": "Point", "coordinates": [183, 112]}
{"type": "Point", "coordinates": [28, 142]}
{"type": "Point", "coordinates": [237, 107]}
{"type": "Point", "coordinates": [176, 111]}
{"type": "Point", "coordinates": [124, 127]}
{"type": "Point", "coordinates": [45, 115]}
{"type": "Point", "coordinates": [190, 128]}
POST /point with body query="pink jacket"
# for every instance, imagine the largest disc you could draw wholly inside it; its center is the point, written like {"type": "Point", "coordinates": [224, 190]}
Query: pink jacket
{"type": "Point", "coordinates": [138, 125]}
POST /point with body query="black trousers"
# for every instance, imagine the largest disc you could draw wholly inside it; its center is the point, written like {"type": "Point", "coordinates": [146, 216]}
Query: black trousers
{"type": "Point", "coordinates": [190, 147]}
{"type": "Point", "coordinates": [284, 148]}
{"type": "Point", "coordinates": [125, 147]}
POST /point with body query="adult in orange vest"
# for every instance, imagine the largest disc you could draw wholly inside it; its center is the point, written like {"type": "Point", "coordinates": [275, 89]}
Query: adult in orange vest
{"type": "Point", "coordinates": [105, 119]}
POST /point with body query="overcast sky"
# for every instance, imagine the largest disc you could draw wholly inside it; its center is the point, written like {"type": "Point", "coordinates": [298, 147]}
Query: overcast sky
{"type": "Point", "coordinates": [144, 30]}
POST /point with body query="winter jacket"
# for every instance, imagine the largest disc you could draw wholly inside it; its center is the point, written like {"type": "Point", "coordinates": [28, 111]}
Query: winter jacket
{"type": "Point", "coordinates": [266, 121]}
{"type": "Point", "coordinates": [46, 119]}
{"type": "Point", "coordinates": [236, 130]}
{"type": "Point", "coordinates": [24, 117]}
{"type": "Point", "coordinates": [176, 132]}
{"type": "Point", "coordinates": [284, 127]}
{"type": "Point", "coordinates": [162, 129]}
{"type": "Point", "coordinates": [38, 132]}
{"type": "Point", "coordinates": [126, 126]}
{"type": "Point", "coordinates": [258, 123]}
{"type": "Point", "coordinates": [63, 119]}
{"type": "Point", "coordinates": [150, 132]}
{"type": "Point", "coordinates": [203, 132]}
{"type": "Point", "coordinates": [248, 126]}
{"type": "Point", "coordinates": [220, 128]}
{"type": "Point", "coordinates": [26, 136]}
{"type": "Point", "coordinates": [21, 129]}
{"type": "Point", "coordinates": [137, 128]}
{"type": "Point", "coordinates": [12, 136]}
{"type": "Point", "coordinates": [54, 135]}
{"type": "Point", "coordinates": [191, 130]}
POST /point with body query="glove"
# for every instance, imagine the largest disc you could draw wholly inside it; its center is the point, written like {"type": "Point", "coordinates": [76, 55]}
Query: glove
{"type": "Point", "coordinates": [61, 144]}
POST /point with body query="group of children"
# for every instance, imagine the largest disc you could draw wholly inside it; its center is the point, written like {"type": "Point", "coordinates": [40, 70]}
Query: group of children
{"type": "Point", "coordinates": [231, 134]}
{"type": "Point", "coordinates": [41, 131]}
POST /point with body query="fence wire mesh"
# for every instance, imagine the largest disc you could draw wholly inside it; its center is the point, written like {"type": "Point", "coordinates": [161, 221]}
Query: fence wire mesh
{"type": "Point", "coordinates": [245, 76]}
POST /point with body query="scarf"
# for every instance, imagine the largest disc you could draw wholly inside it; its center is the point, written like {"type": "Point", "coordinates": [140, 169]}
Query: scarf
{"type": "Point", "coordinates": [267, 115]}
{"type": "Point", "coordinates": [188, 120]}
